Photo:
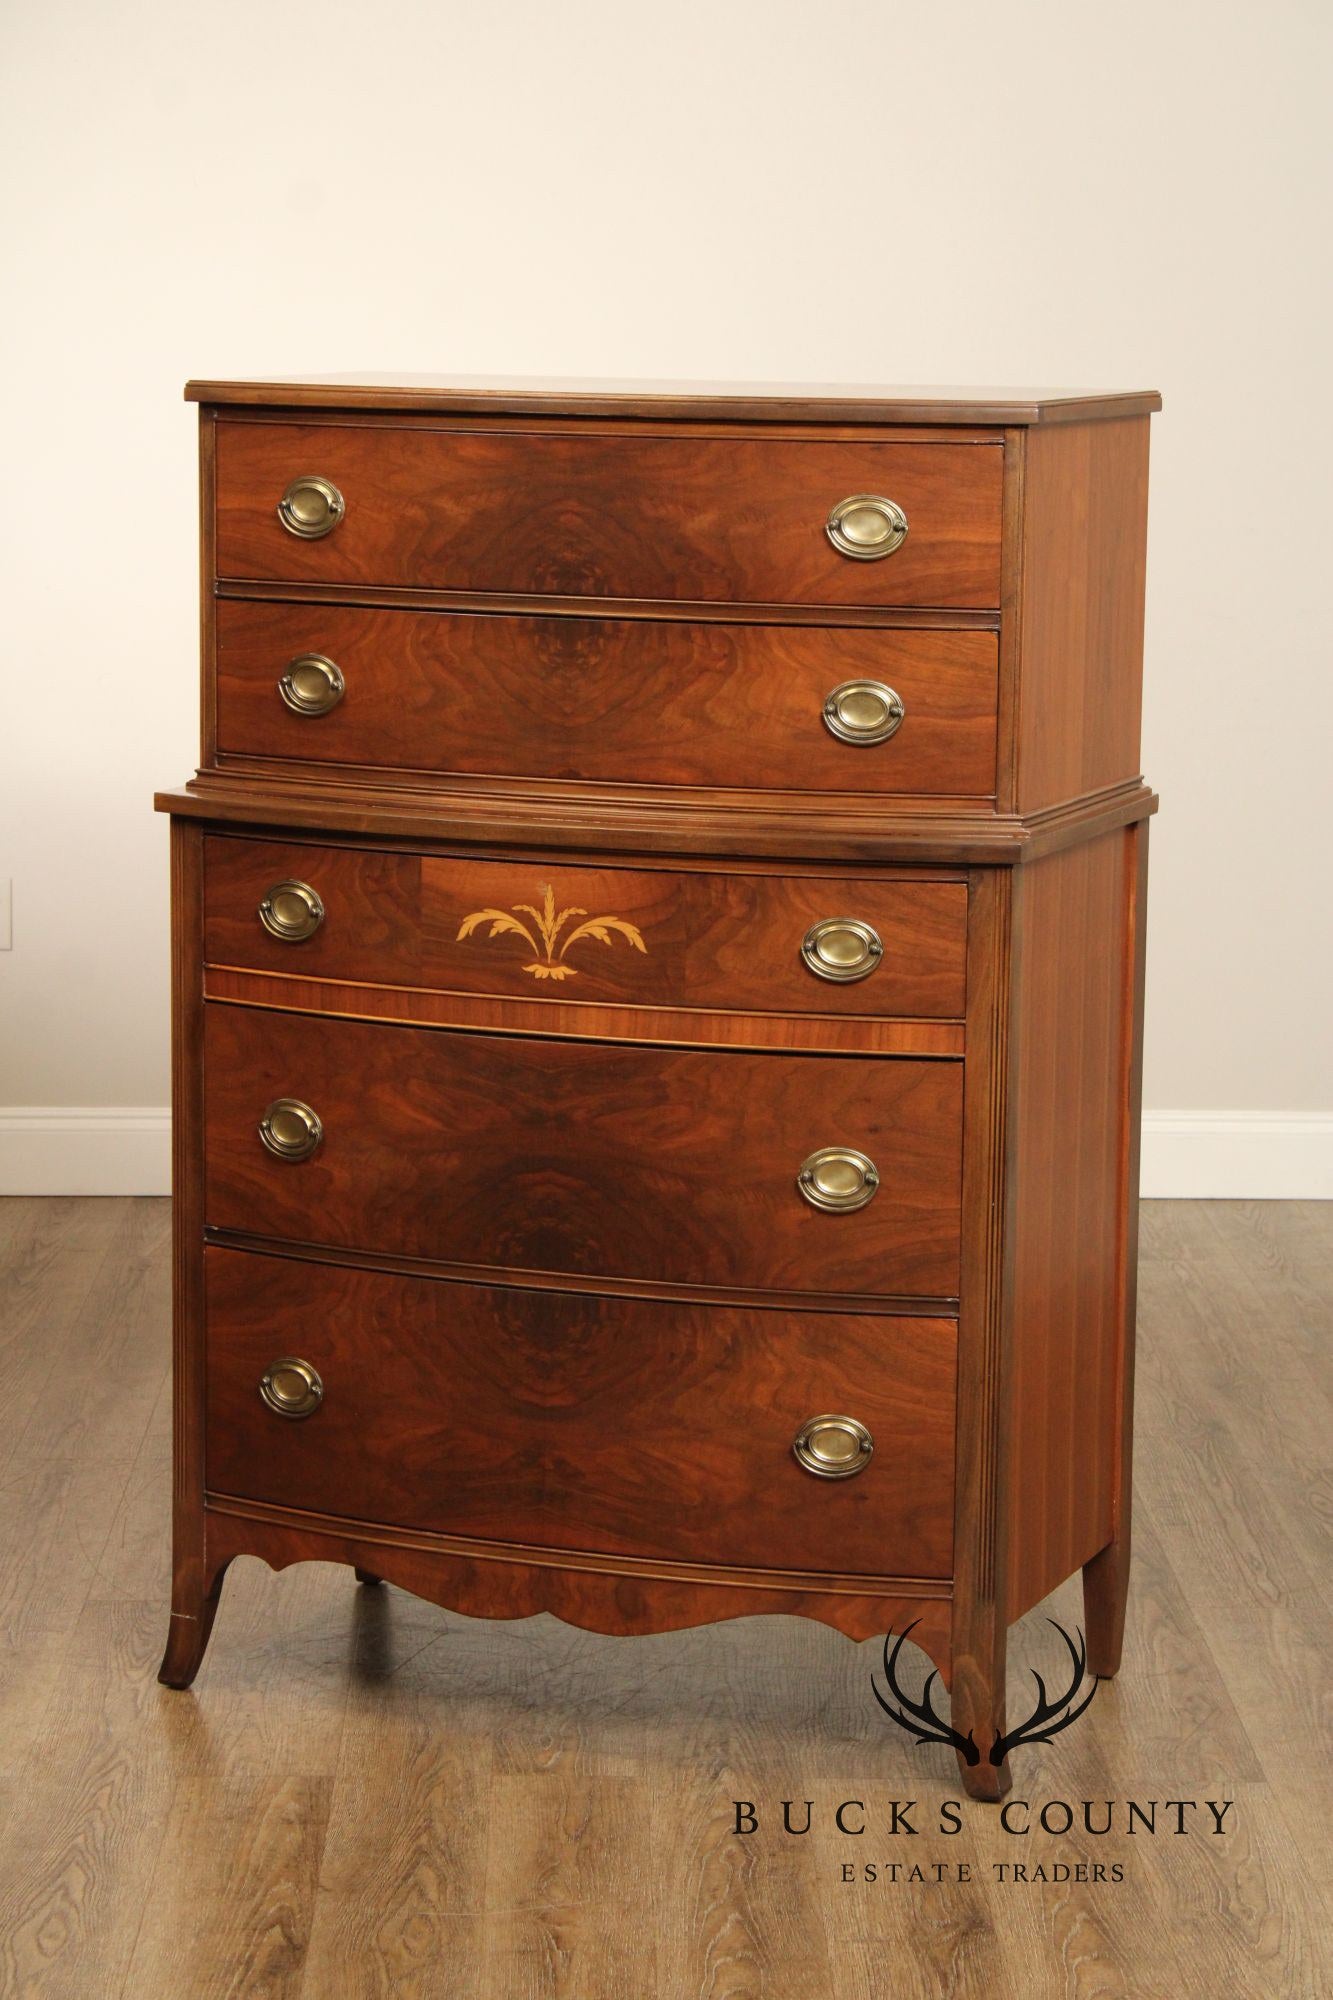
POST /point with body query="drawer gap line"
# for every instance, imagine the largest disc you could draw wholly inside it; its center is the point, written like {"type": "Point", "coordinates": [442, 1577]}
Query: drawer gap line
{"type": "Point", "coordinates": [593, 1285]}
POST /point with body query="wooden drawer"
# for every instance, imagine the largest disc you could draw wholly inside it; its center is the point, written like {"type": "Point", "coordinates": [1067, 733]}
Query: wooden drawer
{"type": "Point", "coordinates": [609, 700]}
{"type": "Point", "coordinates": [672, 1166]}
{"type": "Point", "coordinates": [606, 514]}
{"type": "Point", "coordinates": [628, 1426]}
{"type": "Point", "coordinates": [661, 937]}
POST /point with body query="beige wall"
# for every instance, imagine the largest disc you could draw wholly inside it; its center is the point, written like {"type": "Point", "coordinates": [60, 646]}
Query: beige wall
{"type": "Point", "coordinates": [1061, 193]}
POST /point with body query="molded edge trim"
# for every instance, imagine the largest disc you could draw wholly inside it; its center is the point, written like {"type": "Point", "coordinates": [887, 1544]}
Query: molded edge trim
{"type": "Point", "coordinates": [592, 824]}
{"type": "Point", "coordinates": [682, 401]}
{"type": "Point", "coordinates": [576, 1559]}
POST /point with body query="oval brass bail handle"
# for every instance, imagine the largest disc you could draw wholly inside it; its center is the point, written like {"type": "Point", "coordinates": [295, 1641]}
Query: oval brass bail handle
{"type": "Point", "coordinates": [290, 1129]}
{"type": "Point", "coordinates": [291, 1387]}
{"type": "Point", "coordinates": [833, 1447]}
{"type": "Point", "coordinates": [311, 507]}
{"type": "Point", "coordinates": [842, 949]}
{"type": "Point", "coordinates": [291, 911]}
{"type": "Point", "coordinates": [866, 527]}
{"type": "Point", "coordinates": [838, 1178]}
{"type": "Point", "coordinates": [863, 712]}
{"type": "Point", "coordinates": [312, 684]}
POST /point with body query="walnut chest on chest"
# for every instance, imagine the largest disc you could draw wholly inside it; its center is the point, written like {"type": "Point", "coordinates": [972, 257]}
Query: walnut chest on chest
{"type": "Point", "coordinates": [657, 968]}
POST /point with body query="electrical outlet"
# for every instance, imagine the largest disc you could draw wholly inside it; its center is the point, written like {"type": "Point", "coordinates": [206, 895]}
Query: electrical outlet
{"type": "Point", "coordinates": [6, 914]}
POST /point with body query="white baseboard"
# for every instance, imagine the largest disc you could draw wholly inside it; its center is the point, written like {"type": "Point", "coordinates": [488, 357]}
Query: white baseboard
{"type": "Point", "coordinates": [1236, 1155]}
{"type": "Point", "coordinates": [85, 1149]}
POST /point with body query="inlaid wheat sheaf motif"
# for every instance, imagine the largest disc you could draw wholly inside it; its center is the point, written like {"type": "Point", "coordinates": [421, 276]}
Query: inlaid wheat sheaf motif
{"type": "Point", "coordinates": [549, 927]}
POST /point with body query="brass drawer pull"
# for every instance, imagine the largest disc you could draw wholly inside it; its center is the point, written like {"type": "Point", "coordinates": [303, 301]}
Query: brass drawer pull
{"type": "Point", "coordinates": [292, 911]}
{"type": "Point", "coordinates": [312, 685]}
{"type": "Point", "coordinates": [290, 1129]}
{"type": "Point", "coordinates": [838, 1178]}
{"type": "Point", "coordinates": [291, 1387]}
{"type": "Point", "coordinates": [842, 949]}
{"type": "Point", "coordinates": [833, 1447]}
{"type": "Point", "coordinates": [866, 527]}
{"type": "Point", "coordinates": [863, 712]}
{"type": "Point", "coordinates": [311, 507]}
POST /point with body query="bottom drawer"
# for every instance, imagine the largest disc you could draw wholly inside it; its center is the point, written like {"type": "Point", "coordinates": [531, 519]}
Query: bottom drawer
{"type": "Point", "coordinates": [557, 1419]}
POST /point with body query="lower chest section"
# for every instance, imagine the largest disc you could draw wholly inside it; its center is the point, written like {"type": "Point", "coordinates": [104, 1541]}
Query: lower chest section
{"type": "Point", "coordinates": [586, 1208]}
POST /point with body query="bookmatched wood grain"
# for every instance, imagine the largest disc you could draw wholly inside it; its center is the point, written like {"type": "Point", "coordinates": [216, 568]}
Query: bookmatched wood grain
{"type": "Point", "coordinates": [621, 1426]}
{"type": "Point", "coordinates": [649, 702]}
{"type": "Point", "coordinates": [705, 940]}
{"type": "Point", "coordinates": [604, 516]}
{"type": "Point", "coordinates": [585, 1158]}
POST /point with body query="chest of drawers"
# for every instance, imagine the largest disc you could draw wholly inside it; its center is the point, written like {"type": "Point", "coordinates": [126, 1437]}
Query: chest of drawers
{"type": "Point", "coordinates": [658, 967]}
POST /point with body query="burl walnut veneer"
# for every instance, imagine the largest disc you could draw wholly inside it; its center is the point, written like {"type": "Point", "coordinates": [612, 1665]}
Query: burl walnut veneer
{"type": "Point", "coordinates": [658, 944]}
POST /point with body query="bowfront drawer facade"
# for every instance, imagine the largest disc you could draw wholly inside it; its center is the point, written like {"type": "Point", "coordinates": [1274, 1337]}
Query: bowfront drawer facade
{"type": "Point", "coordinates": [552, 513]}
{"type": "Point", "coordinates": [658, 955]}
{"type": "Point", "coordinates": [665, 1165]}
{"type": "Point", "coordinates": [572, 1421]}
{"type": "Point", "coordinates": [646, 938]}
{"type": "Point", "coordinates": [735, 706]}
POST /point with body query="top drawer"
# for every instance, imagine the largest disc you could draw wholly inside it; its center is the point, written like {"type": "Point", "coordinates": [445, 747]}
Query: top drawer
{"type": "Point", "coordinates": [592, 514]}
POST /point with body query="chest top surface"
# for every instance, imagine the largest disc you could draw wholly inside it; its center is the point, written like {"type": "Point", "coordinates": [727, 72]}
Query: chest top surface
{"type": "Point", "coordinates": [762, 402]}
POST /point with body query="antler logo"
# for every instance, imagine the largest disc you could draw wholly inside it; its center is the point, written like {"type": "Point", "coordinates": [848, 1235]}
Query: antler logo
{"type": "Point", "coordinates": [919, 1719]}
{"type": "Point", "coordinates": [548, 927]}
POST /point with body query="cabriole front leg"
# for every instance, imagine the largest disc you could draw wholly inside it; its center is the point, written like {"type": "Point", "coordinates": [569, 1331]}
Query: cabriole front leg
{"type": "Point", "coordinates": [193, 1609]}
{"type": "Point", "coordinates": [978, 1706]}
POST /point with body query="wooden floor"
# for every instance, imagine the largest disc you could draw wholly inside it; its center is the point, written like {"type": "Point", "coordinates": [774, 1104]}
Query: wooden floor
{"type": "Point", "coordinates": [367, 1796]}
